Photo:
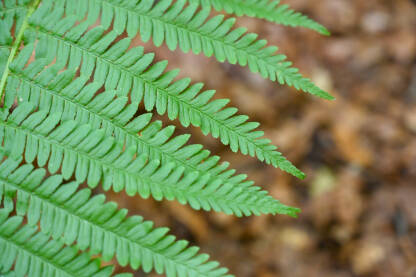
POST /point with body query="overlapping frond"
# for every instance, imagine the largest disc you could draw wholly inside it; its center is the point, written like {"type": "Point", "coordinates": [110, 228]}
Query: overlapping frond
{"type": "Point", "coordinates": [271, 10]}
{"type": "Point", "coordinates": [191, 29]}
{"type": "Point", "coordinates": [92, 156]}
{"type": "Point", "coordinates": [132, 74]}
{"type": "Point", "coordinates": [63, 211]}
{"type": "Point", "coordinates": [28, 252]}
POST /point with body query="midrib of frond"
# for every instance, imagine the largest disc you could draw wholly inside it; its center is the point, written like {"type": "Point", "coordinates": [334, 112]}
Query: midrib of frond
{"type": "Point", "coordinates": [34, 254]}
{"type": "Point", "coordinates": [221, 200]}
{"type": "Point", "coordinates": [63, 208]}
{"type": "Point", "coordinates": [15, 46]}
{"type": "Point", "coordinates": [274, 157]}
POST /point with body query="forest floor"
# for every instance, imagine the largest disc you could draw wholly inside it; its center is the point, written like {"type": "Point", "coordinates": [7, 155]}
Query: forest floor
{"type": "Point", "coordinates": [359, 152]}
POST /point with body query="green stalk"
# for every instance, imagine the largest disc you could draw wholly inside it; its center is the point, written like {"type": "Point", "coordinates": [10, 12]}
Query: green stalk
{"type": "Point", "coordinates": [15, 47]}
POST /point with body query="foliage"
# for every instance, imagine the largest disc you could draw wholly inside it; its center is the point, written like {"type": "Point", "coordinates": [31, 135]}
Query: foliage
{"type": "Point", "coordinates": [73, 91]}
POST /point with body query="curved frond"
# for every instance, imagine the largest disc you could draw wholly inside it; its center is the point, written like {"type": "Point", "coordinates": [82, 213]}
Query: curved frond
{"type": "Point", "coordinates": [93, 156]}
{"type": "Point", "coordinates": [271, 10]}
{"type": "Point", "coordinates": [189, 28]}
{"type": "Point", "coordinates": [132, 74]}
{"type": "Point", "coordinates": [63, 211]}
{"type": "Point", "coordinates": [32, 253]}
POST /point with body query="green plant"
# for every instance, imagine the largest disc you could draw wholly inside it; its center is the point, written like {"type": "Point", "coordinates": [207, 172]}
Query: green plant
{"type": "Point", "coordinates": [71, 90]}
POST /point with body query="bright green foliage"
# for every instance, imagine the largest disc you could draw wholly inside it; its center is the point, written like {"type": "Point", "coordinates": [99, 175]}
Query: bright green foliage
{"type": "Point", "coordinates": [91, 155]}
{"type": "Point", "coordinates": [271, 10]}
{"type": "Point", "coordinates": [189, 28]}
{"type": "Point", "coordinates": [63, 211]}
{"type": "Point", "coordinates": [73, 90]}
{"type": "Point", "coordinates": [34, 254]}
{"type": "Point", "coordinates": [131, 72]}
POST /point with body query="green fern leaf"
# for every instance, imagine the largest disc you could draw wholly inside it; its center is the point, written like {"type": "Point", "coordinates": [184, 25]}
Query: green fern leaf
{"type": "Point", "coordinates": [63, 211]}
{"type": "Point", "coordinates": [132, 72]}
{"type": "Point", "coordinates": [33, 254]}
{"type": "Point", "coordinates": [91, 155]}
{"type": "Point", "coordinates": [73, 95]}
{"type": "Point", "coordinates": [271, 10]}
{"type": "Point", "coordinates": [66, 99]}
{"type": "Point", "coordinates": [188, 28]}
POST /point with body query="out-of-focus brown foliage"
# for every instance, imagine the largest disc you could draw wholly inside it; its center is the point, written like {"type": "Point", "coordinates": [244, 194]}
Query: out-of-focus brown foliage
{"type": "Point", "coordinates": [359, 151]}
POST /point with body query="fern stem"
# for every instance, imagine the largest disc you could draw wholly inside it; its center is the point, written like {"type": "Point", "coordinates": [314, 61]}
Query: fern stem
{"type": "Point", "coordinates": [15, 47]}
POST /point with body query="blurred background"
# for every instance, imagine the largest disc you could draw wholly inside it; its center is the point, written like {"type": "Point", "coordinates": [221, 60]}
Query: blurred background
{"type": "Point", "coordinates": [359, 152]}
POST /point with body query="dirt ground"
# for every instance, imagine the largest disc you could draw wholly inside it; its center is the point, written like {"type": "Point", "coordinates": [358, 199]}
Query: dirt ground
{"type": "Point", "coordinates": [359, 152]}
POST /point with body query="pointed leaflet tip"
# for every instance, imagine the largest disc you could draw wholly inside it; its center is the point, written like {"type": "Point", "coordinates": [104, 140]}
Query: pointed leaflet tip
{"type": "Point", "coordinates": [288, 210]}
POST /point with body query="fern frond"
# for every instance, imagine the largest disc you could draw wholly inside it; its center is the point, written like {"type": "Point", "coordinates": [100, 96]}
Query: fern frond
{"type": "Point", "coordinates": [63, 211]}
{"type": "Point", "coordinates": [132, 74]}
{"type": "Point", "coordinates": [95, 157]}
{"type": "Point", "coordinates": [187, 27]}
{"type": "Point", "coordinates": [271, 10]}
{"type": "Point", "coordinates": [33, 254]}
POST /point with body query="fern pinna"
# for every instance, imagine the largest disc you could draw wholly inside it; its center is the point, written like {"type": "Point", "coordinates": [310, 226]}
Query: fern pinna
{"type": "Point", "coordinates": [73, 87]}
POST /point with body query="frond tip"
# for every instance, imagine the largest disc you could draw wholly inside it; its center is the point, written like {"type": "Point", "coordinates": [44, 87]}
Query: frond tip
{"type": "Point", "coordinates": [271, 10]}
